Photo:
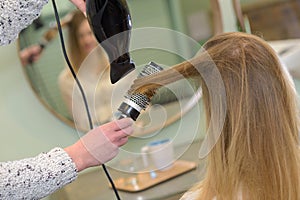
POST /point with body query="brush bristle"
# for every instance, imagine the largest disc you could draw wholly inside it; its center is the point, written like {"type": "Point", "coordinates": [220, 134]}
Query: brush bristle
{"type": "Point", "coordinates": [141, 99]}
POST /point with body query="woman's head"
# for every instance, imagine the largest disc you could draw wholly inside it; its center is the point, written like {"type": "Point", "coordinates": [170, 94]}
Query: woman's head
{"type": "Point", "coordinates": [81, 38]}
{"type": "Point", "coordinates": [259, 92]}
{"type": "Point", "coordinates": [257, 151]}
{"type": "Point", "coordinates": [86, 39]}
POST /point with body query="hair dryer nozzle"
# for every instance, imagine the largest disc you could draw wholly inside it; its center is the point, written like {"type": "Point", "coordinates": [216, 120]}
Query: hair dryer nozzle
{"type": "Point", "coordinates": [119, 70]}
{"type": "Point", "coordinates": [110, 21]}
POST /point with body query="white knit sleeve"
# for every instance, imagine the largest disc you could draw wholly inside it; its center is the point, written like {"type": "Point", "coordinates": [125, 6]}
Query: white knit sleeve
{"type": "Point", "coordinates": [37, 177]}
{"type": "Point", "coordinates": [15, 15]}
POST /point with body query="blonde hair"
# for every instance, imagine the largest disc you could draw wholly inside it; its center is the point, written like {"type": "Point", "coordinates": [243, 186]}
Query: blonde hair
{"type": "Point", "coordinates": [257, 153]}
{"type": "Point", "coordinates": [76, 56]}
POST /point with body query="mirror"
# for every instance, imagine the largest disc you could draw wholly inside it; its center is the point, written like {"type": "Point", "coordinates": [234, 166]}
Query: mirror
{"type": "Point", "coordinates": [42, 61]}
{"type": "Point", "coordinates": [50, 78]}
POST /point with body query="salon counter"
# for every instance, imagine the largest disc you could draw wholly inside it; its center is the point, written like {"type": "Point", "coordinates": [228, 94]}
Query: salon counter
{"type": "Point", "coordinates": [94, 184]}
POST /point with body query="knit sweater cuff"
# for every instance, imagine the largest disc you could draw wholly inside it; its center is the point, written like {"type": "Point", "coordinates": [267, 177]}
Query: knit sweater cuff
{"type": "Point", "coordinates": [36, 177]}
{"type": "Point", "coordinates": [63, 162]}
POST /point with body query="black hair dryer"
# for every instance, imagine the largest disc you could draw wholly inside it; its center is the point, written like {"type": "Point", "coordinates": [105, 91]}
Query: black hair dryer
{"type": "Point", "coordinates": [110, 21]}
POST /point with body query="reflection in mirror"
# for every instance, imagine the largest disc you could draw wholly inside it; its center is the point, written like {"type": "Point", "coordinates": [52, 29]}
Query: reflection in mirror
{"type": "Point", "coordinates": [51, 80]}
{"type": "Point", "coordinates": [42, 60]}
{"type": "Point", "coordinates": [88, 66]}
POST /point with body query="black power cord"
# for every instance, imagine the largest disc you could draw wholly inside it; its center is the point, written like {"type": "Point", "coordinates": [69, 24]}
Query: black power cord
{"type": "Point", "coordinates": [80, 88]}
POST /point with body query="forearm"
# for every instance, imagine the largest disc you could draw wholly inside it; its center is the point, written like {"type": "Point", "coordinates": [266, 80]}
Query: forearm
{"type": "Point", "coordinates": [16, 15]}
{"type": "Point", "coordinates": [78, 154]}
{"type": "Point", "coordinates": [37, 177]}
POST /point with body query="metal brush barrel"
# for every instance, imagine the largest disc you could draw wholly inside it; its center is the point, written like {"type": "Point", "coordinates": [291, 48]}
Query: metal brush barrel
{"type": "Point", "coordinates": [151, 68]}
{"type": "Point", "coordinates": [135, 103]}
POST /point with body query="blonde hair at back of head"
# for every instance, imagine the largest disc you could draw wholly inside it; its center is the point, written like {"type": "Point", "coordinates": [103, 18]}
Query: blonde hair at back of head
{"type": "Point", "coordinates": [257, 154]}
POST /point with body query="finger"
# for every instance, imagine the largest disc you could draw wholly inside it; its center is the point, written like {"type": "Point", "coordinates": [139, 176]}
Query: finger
{"type": "Point", "coordinates": [121, 124]}
{"type": "Point", "coordinates": [126, 131]}
{"type": "Point", "coordinates": [122, 141]}
{"type": "Point", "coordinates": [115, 136]}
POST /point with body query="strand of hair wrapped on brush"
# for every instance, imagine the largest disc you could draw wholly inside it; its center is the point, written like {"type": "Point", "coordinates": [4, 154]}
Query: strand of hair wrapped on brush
{"type": "Point", "coordinates": [196, 67]}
